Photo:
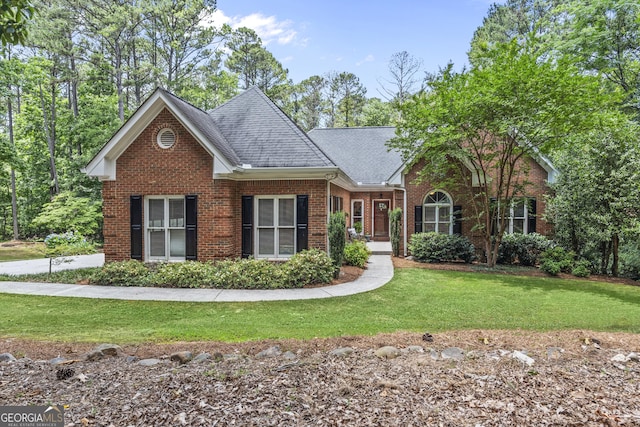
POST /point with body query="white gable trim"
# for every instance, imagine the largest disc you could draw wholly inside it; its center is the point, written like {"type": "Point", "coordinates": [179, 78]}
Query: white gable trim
{"type": "Point", "coordinates": [103, 165]}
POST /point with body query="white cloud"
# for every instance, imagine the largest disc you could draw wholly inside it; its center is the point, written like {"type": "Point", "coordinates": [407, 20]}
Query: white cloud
{"type": "Point", "coordinates": [368, 58]}
{"type": "Point", "coordinates": [268, 28]}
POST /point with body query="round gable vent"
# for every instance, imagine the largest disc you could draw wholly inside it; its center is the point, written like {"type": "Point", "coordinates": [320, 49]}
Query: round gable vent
{"type": "Point", "coordinates": [166, 138]}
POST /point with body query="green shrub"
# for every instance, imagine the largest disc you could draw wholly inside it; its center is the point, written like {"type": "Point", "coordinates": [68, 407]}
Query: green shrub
{"type": "Point", "coordinates": [247, 274]}
{"type": "Point", "coordinates": [551, 267]}
{"type": "Point", "coordinates": [308, 267]}
{"type": "Point", "coordinates": [356, 254]}
{"type": "Point", "coordinates": [524, 248]}
{"type": "Point", "coordinates": [556, 259]}
{"type": "Point", "coordinates": [69, 212]}
{"type": "Point", "coordinates": [67, 244]}
{"type": "Point", "coordinates": [189, 274]}
{"type": "Point", "coordinates": [437, 247]}
{"type": "Point", "coordinates": [630, 260]}
{"type": "Point", "coordinates": [582, 268]}
{"type": "Point", "coordinates": [122, 273]}
{"type": "Point", "coordinates": [395, 217]}
{"type": "Point", "coordinates": [337, 239]}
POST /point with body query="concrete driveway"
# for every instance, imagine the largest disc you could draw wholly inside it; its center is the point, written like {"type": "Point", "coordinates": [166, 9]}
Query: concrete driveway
{"type": "Point", "coordinates": [34, 266]}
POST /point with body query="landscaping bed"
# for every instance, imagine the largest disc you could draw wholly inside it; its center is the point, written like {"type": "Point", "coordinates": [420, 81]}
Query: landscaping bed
{"type": "Point", "coordinates": [576, 378]}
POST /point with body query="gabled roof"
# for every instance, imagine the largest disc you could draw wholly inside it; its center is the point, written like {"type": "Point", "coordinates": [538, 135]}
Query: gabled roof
{"type": "Point", "coordinates": [263, 136]}
{"type": "Point", "coordinates": [360, 152]}
{"type": "Point", "coordinates": [249, 131]}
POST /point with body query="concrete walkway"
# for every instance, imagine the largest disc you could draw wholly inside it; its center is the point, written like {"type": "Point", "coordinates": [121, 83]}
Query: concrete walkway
{"type": "Point", "coordinates": [379, 271]}
{"type": "Point", "coordinates": [36, 266]}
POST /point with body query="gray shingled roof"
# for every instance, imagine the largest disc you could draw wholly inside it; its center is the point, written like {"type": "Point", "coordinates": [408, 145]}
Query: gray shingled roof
{"type": "Point", "coordinates": [263, 136]}
{"type": "Point", "coordinates": [361, 153]}
{"type": "Point", "coordinates": [201, 120]}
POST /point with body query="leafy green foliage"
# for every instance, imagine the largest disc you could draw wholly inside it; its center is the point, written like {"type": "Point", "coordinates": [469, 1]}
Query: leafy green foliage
{"type": "Point", "coordinates": [122, 273]}
{"type": "Point", "coordinates": [309, 267]}
{"type": "Point", "coordinates": [356, 253]}
{"type": "Point", "coordinates": [187, 274]}
{"type": "Point", "coordinates": [523, 248]}
{"type": "Point", "coordinates": [557, 259]}
{"type": "Point", "coordinates": [630, 259]}
{"type": "Point", "coordinates": [438, 247]}
{"type": "Point", "coordinates": [492, 118]}
{"type": "Point", "coordinates": [395, 221]}
{"type": "Point", "coordinates": [14, 18]}
{"type": "Point", "coordinates": [337, 238]}
{"type": "Point", "coordinates": [67, 244]}
{"type": "Point", "coordinates": [69, 212]}
{"type": "Point", "coordinates": [582, 268]}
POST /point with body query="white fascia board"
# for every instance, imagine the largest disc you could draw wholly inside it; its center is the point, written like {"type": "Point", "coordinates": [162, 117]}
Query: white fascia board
{"type": "Point", "coordinates": [103, 165]}
{"type": "Point", "coordinates": [253, 173]}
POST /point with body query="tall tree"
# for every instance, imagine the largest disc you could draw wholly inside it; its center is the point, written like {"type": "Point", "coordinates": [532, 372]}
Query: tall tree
{"type": "Point", "coordinates": [110, 28]}
{"type": "Point", "coordinates": [310, 103]}
{"type": "Point", "coordinates": [490, 119]}
{"type": "Point", "coordinates": [180, 41]}
{"type": "Point", "coordinates": [255, 65]}
{"type": "Point", "coordinates": [403, 80]}
{"type": "Point", "coordinates": [597, 198]}
{"type": "Point", "coordinates": [350, 97]}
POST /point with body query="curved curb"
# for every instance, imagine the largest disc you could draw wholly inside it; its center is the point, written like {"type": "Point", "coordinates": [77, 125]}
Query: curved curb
{"type": "Point", "coordinates": [378, 273]}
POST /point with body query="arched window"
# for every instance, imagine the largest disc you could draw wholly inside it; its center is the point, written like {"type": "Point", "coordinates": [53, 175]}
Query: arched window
{"type": "Point", "coordinates": [437, 213]}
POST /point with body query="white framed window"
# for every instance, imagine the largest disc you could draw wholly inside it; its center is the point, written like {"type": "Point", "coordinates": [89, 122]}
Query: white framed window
{"type": "Point", "coordinates": [275, 226]}
{"type": "Point", "coordinates": [357, 213]}
{"type": "Point", "coordinates": [518, 221]}
{"type": "Point", "coordinates": [165, 228]}
{"type": "Point", "coordinates": [438, 213]}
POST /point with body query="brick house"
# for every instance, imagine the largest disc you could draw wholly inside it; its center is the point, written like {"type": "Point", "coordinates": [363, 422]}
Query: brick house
{"type": "Point", "coordinates": [243, 180]}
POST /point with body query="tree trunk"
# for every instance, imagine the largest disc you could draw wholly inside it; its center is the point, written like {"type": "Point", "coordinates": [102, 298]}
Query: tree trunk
{"type": "Point", "coordinates": [51, 145]}
{"type": "Point", "coordinates": [14, 197]}
{"type": "Point", "coordinates": [615, 244]}
{"type": "Point", "coordinates": [118, 67]}
{"type": "Point", "coordinates": [605, 250]}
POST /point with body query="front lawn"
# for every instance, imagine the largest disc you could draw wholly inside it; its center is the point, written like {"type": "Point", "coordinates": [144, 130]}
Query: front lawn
{"type": "Point", "coordinates": [415, 300]}
{"type": "Point", "coordinates": [17, 251]}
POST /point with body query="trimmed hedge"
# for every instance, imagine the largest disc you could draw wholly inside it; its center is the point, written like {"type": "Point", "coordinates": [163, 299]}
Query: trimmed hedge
{"type": "Point", "coordinates": [437, 247]}
{"type": "Point", "coordinates": [305, 268]}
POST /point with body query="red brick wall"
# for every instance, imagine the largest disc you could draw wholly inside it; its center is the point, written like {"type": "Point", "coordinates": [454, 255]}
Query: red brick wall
{"type": "Point", "coordinates": [186, 168]}
{"type": "Point", "coordinates": [416, 192]}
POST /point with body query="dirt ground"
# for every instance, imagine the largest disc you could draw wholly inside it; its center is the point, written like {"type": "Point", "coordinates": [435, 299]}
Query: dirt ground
{"type": "Point", "coordinates": [573, 378]}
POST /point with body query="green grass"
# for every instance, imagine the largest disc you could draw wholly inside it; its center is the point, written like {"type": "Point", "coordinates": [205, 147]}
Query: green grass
{"type": "Point", "coordinates": [415, 300]}
{"type": "Point", "coordinates": [63, 276]}
{"type": "Point", "coordinates": [16, 251]}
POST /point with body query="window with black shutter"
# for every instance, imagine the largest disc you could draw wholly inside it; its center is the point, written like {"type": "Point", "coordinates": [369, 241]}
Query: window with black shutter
{"type": "Point", "coordinates": [136, 227]}
{"type": "Point", "coordinates": [191, 227]}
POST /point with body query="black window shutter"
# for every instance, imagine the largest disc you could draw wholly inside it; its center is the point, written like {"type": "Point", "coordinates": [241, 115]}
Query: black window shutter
{"type": "Point", "coordinates": [418, 219]}
{"type": "Point", "coordinates": [247, 226]}
{"type": "Point", "coordinates": [531, 226]}
{"type": "Point", "coordinates": [191, 227]}
{"type": "Point", "coordinates": [136, 227]}
{"type": "Point", "coordinates": [457, 220]}
{"type": "Point", "coordinates": [302, 222]}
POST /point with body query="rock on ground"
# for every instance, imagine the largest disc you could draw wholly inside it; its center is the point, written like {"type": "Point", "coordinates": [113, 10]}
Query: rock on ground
{"type": "Point", "coordinates": [579, 385]}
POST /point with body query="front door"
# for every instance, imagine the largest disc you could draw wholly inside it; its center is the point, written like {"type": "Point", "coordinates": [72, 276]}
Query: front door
{"type": "Point", "coordinates": [381, 219]}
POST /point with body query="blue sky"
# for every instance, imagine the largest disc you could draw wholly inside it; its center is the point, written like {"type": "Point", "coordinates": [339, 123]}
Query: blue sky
{"type": "Point", "coordinates": [315, 37]}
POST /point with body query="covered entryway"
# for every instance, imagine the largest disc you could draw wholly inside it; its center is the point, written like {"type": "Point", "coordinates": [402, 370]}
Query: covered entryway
{"type": "Point", "coordinates": [381, 220]}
